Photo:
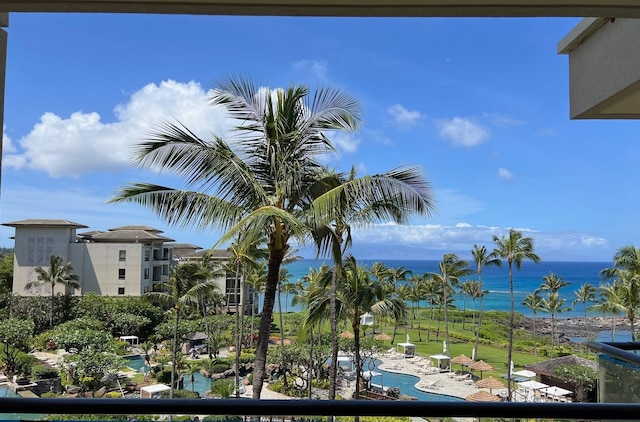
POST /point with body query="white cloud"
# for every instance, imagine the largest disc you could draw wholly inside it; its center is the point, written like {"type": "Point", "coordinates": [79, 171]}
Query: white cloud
{"type": "Point", "coordinates": [83, 142]}
{"type": "Point", "coordinates": [462, 131]}
{"type": "Point", "coordinates": [402, 117]}
{"type": "Point", "coordinates": [460, 238]}
{"type": "Point", "coordinates": [318, 68]}
{"type": "Point", "coordinates": [505, 174]}
{"type": "Point", "coordinates": [502, 120]}
{"type": "Point", "coordinates": [344, 142]}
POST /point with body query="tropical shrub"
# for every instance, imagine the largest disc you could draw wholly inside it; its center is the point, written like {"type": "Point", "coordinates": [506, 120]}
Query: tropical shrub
{"type": "Point", "coordinates": [41, 372]}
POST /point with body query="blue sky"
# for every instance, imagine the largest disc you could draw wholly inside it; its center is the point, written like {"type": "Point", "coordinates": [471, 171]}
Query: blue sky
{"type": "Point", "coordinates": [482, 105]}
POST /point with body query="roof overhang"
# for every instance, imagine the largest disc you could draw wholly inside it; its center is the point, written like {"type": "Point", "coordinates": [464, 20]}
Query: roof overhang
{"type": "Point", "coordinates": [488, 8]}
{"type": "Point", "coordinates": [604, 68]}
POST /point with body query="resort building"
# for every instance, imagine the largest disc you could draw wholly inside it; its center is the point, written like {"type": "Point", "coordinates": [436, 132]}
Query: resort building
{"type": "Point", "coordinates": [123, 261]}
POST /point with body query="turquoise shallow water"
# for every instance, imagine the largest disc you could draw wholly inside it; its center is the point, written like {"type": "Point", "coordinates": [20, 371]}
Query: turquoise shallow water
{"type": "Point", "coordinates": [406, 383]}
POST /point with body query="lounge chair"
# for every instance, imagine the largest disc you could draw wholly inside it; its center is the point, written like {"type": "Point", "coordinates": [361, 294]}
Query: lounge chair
{"type": "Point", "coordinates": [462, 377]}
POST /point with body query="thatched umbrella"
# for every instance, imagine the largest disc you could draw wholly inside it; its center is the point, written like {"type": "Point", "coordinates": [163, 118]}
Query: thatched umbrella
{"type": "Point", "coordinates": [482, 395]}
{"type": "Point", "coordinates": [383, 337]}
{"type": "Point", "coordinates": [346, 334]}
{"type": "Point", "coordinates": [462, 360]}
{"type": "Point", "coordinates": [490, 383]}
{"type": "Point", "coordinates": [481, 366]}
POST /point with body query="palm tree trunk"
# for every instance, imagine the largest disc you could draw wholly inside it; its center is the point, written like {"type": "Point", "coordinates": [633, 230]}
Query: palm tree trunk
{"type": "Point", "coordinates": [511, 319]}
{"type": "Point", "coordinates": [535, 350]}
{"type": "Point", "coordinates": [446, 314]}
{"type": "Point", "coordinates": [53, 298]}
{"type": "Point", "coordinates": [632, 320]}
{"type": "Point", "coordinates": [333, 318]}
{"type": "Point", "coordinates": [174, 351]}
{"type": "Point", "coordinates": [280, 315]}
{"type": "Point", "coordinates": [238, 338]}
{"type": "Point", "coordinates": [273, 275]}
{"type": "Point", "coordinates": [477, 343]}
{"type": "Point", "coordinates": [356, 333]}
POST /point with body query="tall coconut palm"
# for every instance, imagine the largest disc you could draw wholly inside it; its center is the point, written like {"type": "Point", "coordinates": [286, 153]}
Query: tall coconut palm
{"type": "Point", "coordinates": [623, 295]}
{"type": "Point", "coordinates": [553, 283]}
{"type": "Point", "coordinates": [554, 304]}
{"type": "Point", "coordinates": [608, 305]}
{"type": "Point", "coordinates": [356, 295]}
{"type": "Point", "coordinates": [626, 258]}
{"type": "Point", "coordinates": [432, 291]}
{"type": "Point", "coordinates": [256, 182]}
{"type": "Point", "coordinates": [534, 302]}
{"type": "Point", "coordinates": [395, 276]}
{"type": "Point", "coordinates": [57, 273]}
{"type": "Point", "coordinates": [482, 258]}
{"type": "Point", "coordinates": [358, 201]}
{"type": "Point", "coordinates": [187, 283]}
{"type": "Point", "coordinates": [585, 294]}
{"type": "Point", "coordinates": [515, 248]}
{"type": "Point", "coordinates": [451, 269]}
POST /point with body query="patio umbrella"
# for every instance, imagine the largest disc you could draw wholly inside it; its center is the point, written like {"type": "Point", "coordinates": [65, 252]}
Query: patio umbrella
{"type": "Point", "coordinates": [534, 385]}
{"type": "Point", "coordinates": [482, 395]}
{"type": "Point", "coordinates": [462, 360]}
{"type": "Point", "coordinates": [346, 334]}
{"type": "Point", "coordinates": [383, 337]}
{"type": "Point", "coordinates": [524, 373]}
{"type": "Point", "coordinates": [490, 383]}
{"type": "Point", "coordinates": [481, 366]}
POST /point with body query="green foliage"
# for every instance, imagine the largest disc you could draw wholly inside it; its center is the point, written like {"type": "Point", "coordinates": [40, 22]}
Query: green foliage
{"type": "Point", "coordinates": [113, 395]}
{"type": "Point", "coordinates": [23, 363]}
{"type": "Point", "coordinates": [127, 324]}
{"type": "Point", "coordinates": [374, 419]}
{"type": "Point", "coordinates": [92, 369]}
{"type": "Point", "coordinates": [577, 375]}
{"type": "Point", "coordinates": [6, 273]}
{"type": "Point", "coordinates": [41, 372]}
{"type": "Point", "coordinates": [223, 388]}
{"type": "Point", "coordinates": [83, 339]}
{"type": "Point", "coordinates": [220, 367]}
{"type": "Point", "coordinates": [164, 376]}
{"type": "Point", "coordinates": [15, 334]}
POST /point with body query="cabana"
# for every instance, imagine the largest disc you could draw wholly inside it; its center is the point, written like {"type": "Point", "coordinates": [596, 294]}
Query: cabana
{"type": "Point", "coordinates": [444, 362]}
{"type": "Point", "coordinates": [132, 340]}
{"type": "Point", "coordinates": [408, 349]}
{"type": "Point", "coordinates": [153, 391]}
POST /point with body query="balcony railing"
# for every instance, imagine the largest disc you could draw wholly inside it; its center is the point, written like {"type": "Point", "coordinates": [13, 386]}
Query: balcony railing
{"type": "Point", "coordinates": [297, 409]}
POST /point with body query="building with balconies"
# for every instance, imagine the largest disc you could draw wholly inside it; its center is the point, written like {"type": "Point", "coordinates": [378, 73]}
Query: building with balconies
{"type": "Point", "coordinates": [123, 261]}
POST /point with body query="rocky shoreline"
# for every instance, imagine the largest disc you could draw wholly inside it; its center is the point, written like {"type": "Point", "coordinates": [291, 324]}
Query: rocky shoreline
{"type": "Point", "coordinates": [576, 327]}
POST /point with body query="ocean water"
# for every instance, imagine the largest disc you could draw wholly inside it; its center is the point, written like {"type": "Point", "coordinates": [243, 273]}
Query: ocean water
{"type": "Point", "coordinates": [494, 279]}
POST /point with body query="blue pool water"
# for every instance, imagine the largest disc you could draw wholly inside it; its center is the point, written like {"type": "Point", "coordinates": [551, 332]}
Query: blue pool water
{"type": "Point", "coordinates": [406, 383]}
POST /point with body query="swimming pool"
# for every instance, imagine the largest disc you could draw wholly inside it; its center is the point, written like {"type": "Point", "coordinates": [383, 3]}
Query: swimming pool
{"type": "Point", "coordinates": [406, 383]}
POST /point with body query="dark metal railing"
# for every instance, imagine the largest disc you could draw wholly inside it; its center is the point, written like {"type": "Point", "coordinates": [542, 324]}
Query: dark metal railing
{"type": "Point", "coordinates": [308, 408]}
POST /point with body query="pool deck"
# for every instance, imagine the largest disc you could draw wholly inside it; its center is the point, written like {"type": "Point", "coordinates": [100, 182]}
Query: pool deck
{"type": "Point", "coordinates": [432, 380]}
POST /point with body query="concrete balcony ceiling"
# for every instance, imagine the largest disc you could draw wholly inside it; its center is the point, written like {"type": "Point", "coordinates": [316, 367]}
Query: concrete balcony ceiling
{"type": "Point", "coordinates": [515, 8]}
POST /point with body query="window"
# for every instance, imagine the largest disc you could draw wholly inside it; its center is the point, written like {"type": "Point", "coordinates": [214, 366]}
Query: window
{"type": "Point", "coordinates": [123, 255]}
{"type": "Point", "coordinates": [146, 289]}
{"type": "Point", "coordinates": [146, 255]}
{"type": "Point", "coordinates": [121, 273]}
{"type": "Point", "coordinates": [146, 273]}
{"type": "Point", "coordinates": [120, 290]}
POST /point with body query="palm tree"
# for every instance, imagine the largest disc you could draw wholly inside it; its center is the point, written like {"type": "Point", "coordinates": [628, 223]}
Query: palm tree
{"type": "Point", "coordinates": [553, 304]}
{"type": "Point", "coordinates": [607, 305]}
{"type": "Point", "coordinates": [192, 370]}
{"type": "Point", "coordinates": [255, 279]}
{"type": "Point", "coordinates": [626, 258]}
{"type": "Point", "coordinates": [57, 273]}
{"type": "Point", "coordinates": [394, 276]}
{"type": "Point", "coordinates": [553, 283]}
{"type": "Point", "coordinates": [623, 295]}
{"type": "Point", "coordinates": [482, 258]}
{"type": "Point", "coordinates": [515, 249]}
{"type": "Point", "coordinates": [451, 269]}
{"type": "Point", "coordinates": [256, 183]}
{"type": "Point", "coordinates": [534, 302]}
{"type": "Point", "coordinates": [432, 291]}
{"type": "Point", "coordinates": [187, 283]}
{"type": "Point", "coordinates": [585, 294]}
{"type": "Point", "coordinates": [356, 295]}
{"type": "Point", "coordinates": [351, 200]}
